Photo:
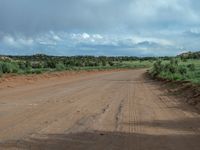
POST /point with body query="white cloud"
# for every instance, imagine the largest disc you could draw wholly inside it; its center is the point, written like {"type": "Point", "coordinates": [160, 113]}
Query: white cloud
{"type": "Point", "coordinates": [85, 37]}
{"type": "Point", "coordinates": [9, 40]}
{"type": "Point", "coordinates": [17, 41]}
{"type": "Point", "coordinates": [97, 36]}
{"type": "Point", "coordinates": [164, 42]}
{"type": "Point", "coordinates": [49, 38]}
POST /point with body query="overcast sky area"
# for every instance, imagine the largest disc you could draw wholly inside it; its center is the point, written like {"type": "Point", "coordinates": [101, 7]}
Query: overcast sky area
{"type": "Point", "coordinates": [99, 27]}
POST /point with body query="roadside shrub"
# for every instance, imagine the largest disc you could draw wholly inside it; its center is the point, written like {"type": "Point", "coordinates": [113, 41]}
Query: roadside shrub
{"type": "Point", "coordinates": [28, 64]}
{"type": "Point", "coordinates": [172, 70]}
{"type": "Point", "coordinates": [111, 63]}
{"type": "Point", "coordinates": [191, 67]}
{"type": "Point", "coordinates": [1, 69]}
{"type": "Point", "coordinates": [9, 67]}
{"type": "Point", "coordinates": [37, 71]}
{"type": "Point", "coordinates": [15, 68]}
{"type": "Point", "coordinates": [22, 65]}
{"type": "Point", "coordinates": [157, 68]}
{"type": "Point", "coordinates": [36, 65]}
{"type": "Point", "coordinates": [51, 64]}
{"type": "Point", "coordinates": [6, 68]}
{"type": "Point", "coordinates": [104, 63]}
{"type": "Point", "coordinates": [182, 70]}
{"type": "Point", "coordinates": [174, 62]}
{"type": "Point", "coordinates": [60, 67]}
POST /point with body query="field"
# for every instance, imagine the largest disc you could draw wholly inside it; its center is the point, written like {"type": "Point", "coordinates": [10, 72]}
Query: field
{"type": "Point", "coordinates": [37, 64]}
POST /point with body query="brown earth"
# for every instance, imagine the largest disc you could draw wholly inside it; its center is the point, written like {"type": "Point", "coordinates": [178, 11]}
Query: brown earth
{"type": "Point", "coordinates": [96, 111]}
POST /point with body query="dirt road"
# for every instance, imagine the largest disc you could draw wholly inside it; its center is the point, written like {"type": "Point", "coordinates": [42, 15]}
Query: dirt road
{"type": "Point", "coordinates": [104, 111]}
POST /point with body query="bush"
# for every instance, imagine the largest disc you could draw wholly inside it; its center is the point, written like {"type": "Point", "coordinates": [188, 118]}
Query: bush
{"type": "Point", "coordinates": [191, 67]}
{"type": "Point", "coordinates": [37, 71]}
{"type": "Point", "coordinates": [111, 63]}
{"type": "Point", "coordinates": [1, 69]}
{"type": "Point", "coordinates": [22, 65]}
{"type": "Point", "coordinates": [173, 70]}
{"type": "Point", "coordinates": [37, 65]}
{"type": "Point", "coordinates": [51, 64]}
{"type": "Point", "coordinates": [182, 70]}
{"type": "Point", "coordinates": [60, 67]}
{"type": "Point", "coordinates": [157, 68]}
{"type": "Point", "coordinates": [8, 67]}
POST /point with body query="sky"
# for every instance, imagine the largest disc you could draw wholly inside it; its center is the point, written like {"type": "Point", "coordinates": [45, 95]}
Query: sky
{"type": "Point", "coordinates": [99, 27]}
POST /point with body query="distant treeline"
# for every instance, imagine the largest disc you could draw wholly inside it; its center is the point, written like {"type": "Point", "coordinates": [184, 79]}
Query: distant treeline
{"type": "Point", "coordinates": [190, 55]}
{"type": "Point", "coordinates": [39, 63]}
{"type": "Point", "coordinates": [42, 57]}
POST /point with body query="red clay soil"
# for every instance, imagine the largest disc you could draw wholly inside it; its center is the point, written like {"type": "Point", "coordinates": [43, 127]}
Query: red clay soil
{"type": "Point", "coordinates": [184, 90]}
{"type": "Point", "coordinates": [118, 110]}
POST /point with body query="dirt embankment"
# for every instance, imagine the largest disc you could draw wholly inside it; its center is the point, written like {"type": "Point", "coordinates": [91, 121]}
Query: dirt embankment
{"type": "Point", "coordinates": [182, 89]}
{"type": "Point", "coordinates": [13, 80]}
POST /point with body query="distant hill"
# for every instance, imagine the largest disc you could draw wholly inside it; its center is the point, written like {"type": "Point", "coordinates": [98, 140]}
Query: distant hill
{"type": "Point", "coordinates": [190, 55]}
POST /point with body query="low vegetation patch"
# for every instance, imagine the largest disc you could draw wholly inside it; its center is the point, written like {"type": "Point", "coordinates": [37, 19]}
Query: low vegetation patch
{"type": "Point", "coordinates": [183, 72]}
{"type": "Point", "coordinates": [177, 70]}
{"type": "Point", "coordinates": [39, 63]}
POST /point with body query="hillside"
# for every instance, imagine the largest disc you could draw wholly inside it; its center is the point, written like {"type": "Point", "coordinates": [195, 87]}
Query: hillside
{"type": "Point", "coordinates": [190, 55]}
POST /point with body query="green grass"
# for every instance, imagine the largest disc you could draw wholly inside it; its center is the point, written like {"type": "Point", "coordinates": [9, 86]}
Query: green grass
{"type": "Point", "coordinates": [193, 76]}
{"type": "Point", "coordinates": [19, 67]}
{"type": "Point", "coordinates": [179, 70]}
{"type": "Point", "coordinates": [136, 64]}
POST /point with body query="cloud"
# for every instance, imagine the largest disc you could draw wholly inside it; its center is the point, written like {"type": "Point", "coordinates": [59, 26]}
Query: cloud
{"type": "Point", "coordinates": [85, 37]}
{"type": "Point", "coordinates": [97, 15]}
{"type": "Point", "coordinates": [130, 27]}
{"type": "Point", "coordinates": [85, 43]}
{"type": "Point", "coordinates": [17, 42]}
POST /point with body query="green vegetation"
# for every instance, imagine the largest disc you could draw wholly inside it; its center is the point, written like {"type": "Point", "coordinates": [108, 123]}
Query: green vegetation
{"type": "Point", "coordinates": [189, 55]}
{"type": "Point", "coordinates": [184, 67]}
{"type": "Point", "coordinates": [42, 63]}
{"type": "Point", "coordinates": [177, 69]}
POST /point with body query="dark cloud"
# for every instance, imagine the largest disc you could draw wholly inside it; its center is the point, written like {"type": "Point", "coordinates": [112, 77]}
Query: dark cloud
{"type": "Point", "coordinates": [28, 16]}
{"type": "Point", "coordinates": [37, 24]}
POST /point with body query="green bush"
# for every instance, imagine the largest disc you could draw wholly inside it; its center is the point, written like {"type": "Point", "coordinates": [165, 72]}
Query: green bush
{"type": "Point", "coordinates": [175, 70]}
{"type": "Point", "coordinates": [60, 67]}
{"type": "Point", "coordinates": [22, 65]}
{"type": "Point", "coordinates": [111, 63]}
{"type": "Point", "coordinates": [191, 67]}
{"type": "Point", "coordinates": [37, 71]}
{"type": "Point", "coordinates": [1, 69]}
{"type": "Point", "coordinates": [157, 68]}
{"type": "Point", "coordinates": [182, 70]}
{"type": "Point", "coordinates": [8, 67]}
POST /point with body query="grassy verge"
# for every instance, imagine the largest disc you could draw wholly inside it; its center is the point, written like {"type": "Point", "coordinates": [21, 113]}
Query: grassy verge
{"type": "Point", "coordinates": [177, 70]}
{"type": "Point", "coordinates": [19, 67]}
{"type": "Point", "coordinates": [184, 77]}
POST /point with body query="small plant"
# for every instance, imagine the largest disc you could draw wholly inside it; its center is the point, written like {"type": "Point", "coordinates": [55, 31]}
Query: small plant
{"type": "Point", "coordinates": [8, 67]}
{"type": "Point", "coordinates": [157, 68]}
{"type": "Point", "coordinates": [1, 69]}
{"type": "Point", "coordinates": [60, 67]}
{"type": "Point", "coordinates": [182, 70]}
{"type": "Point", "coordinates": [191, 67]}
